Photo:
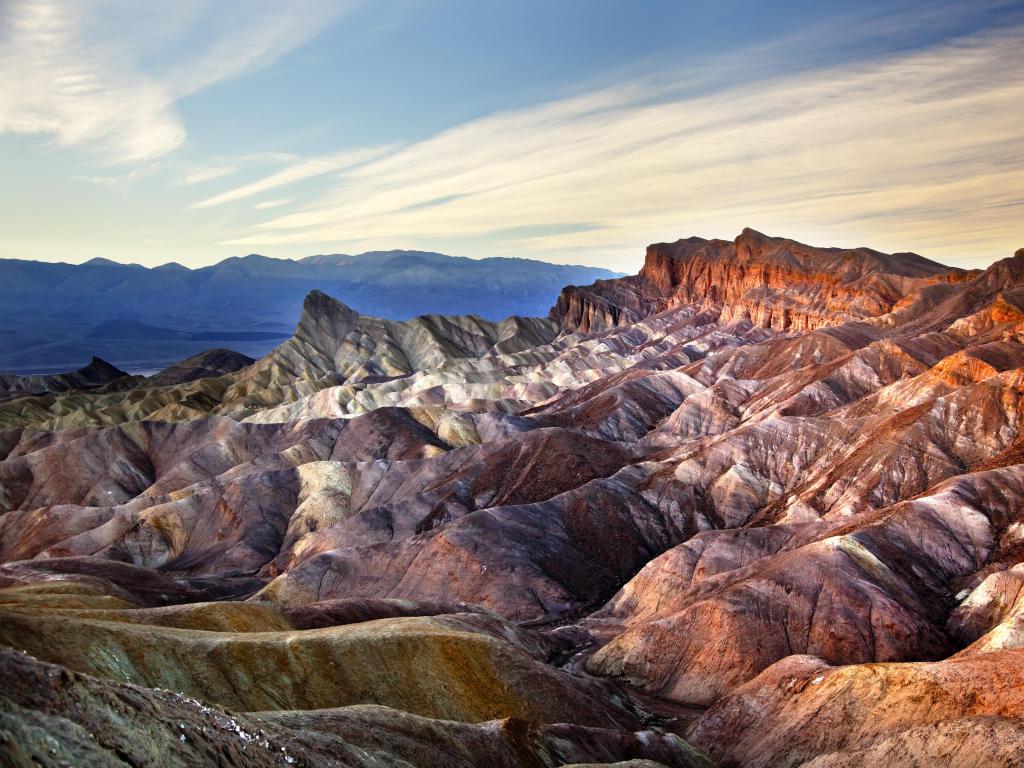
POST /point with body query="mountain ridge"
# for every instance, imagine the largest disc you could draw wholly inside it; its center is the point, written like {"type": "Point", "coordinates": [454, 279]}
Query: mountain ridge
{"type": "Point", "coordinates": [732, 496]}
{"type": "Point", "coordinates": [740, 274]}
{"type": "Point", "coordinates": [244, 295]}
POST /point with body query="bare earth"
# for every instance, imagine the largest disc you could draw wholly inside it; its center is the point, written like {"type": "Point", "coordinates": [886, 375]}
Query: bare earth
{"type": "Point", "coordinates": [761, 504]}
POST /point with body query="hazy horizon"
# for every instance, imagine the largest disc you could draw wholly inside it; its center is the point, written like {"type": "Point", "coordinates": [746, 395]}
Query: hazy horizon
{"type": "Point", "coordinates": [476, 257]}
{"type": "Point", "coordinates": [297, 258]}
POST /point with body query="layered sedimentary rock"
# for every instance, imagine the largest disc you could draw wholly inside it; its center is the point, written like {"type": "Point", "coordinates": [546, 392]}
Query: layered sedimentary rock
{"type": "Point", "coordinates": [332, 345]}
{"type": "Point", "coordinates": [772, 282]}
{"type": "Point", "coordinates": [96, 375]}
{"type": "Point", "coordinates": [52, 716]}
{"type": "Point", "coordinates": [147, 317]}
{"type": "Point", "coordinates": [776, 482]}
{"type": "Point", "coordinates": [802, 711]}
{"type": "Point", "coordinates": [212, 362]}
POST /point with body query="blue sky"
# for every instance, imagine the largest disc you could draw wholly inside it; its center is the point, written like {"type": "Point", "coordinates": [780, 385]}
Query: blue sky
{"type": "Point", "coordinates": [566, 131]}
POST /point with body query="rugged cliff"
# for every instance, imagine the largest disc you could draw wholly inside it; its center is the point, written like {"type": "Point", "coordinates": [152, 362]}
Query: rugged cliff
{"type": "Point", "coordinates": [772, 282]}
{"type": "Point", "coordinates": [771, 502]}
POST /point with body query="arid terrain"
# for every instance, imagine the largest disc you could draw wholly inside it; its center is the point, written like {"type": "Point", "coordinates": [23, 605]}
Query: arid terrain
{"type": "Point", "coordinates": [761, 504]}
{"type": "Point", "coordinates": [141, 319]}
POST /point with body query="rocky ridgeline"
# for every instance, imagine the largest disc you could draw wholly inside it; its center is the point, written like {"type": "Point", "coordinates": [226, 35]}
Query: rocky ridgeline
{"type": "Point", "coordinates": [762, 498]}
{"type": "Point", "coordinates": [772, 282]}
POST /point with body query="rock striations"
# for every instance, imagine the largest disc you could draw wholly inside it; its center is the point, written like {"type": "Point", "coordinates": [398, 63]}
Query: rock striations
{"type": "Point", "coordinates": [97, 375]}
{"type": "Point", "coordinates": [761, 504]}
{"type": "Point", "coordinates": [771, 282]}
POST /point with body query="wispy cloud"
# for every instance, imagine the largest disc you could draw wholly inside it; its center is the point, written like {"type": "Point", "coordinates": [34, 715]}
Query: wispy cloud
{"type": "Point", "coordinates": [921, 150]}
{"type": "Point", "coordinates": [56, 83]}
{"type": "Point", "coordinates": [297, 171]}
{"type": "Point", "coordinates": [73, 70]}
{"type": "Point", "coordinates": [123, 180]}
{"type": "Point", "coordinates": [99, 181]}
{"type": "Point", "coordinates": [271, 204]}
{"type": "Point", "coordinates": [201, 175]}
{"type": "Point", "coordinates": [257, 33]}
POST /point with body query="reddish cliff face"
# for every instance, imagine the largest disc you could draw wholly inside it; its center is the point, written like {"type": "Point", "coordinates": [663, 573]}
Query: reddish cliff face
{"type": "Point", "coordinates": [772, 282]}
{"type": "Point", "coordinates": [817, 535]}
{"type": "Point", "coordinates": [605, 304]}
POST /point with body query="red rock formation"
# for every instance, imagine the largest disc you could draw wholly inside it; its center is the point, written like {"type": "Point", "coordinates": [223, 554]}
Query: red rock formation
{"type": "Point", "coordinates": [751, 454]}
{"type": "Point", "coordinates": [772, 282]}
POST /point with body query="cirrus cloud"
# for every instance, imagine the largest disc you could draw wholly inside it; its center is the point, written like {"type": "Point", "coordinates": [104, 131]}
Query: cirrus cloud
{"type": "Point", "coordinates": [921, 150]}
{"type": "Point", "coordinates": [73, 70]}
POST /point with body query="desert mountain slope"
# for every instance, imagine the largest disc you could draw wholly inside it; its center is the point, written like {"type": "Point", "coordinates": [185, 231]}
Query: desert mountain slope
{"type": "Point", "coordinates": [97, 374]}
{"type": "Point", "coordinates": [57, 315]}
{"type": "Point", "coordinates": [774, 282]}
{"type": "Point", "coordinates": [211, 363]}
{"type": "Point", "coordinates": [776, 482]}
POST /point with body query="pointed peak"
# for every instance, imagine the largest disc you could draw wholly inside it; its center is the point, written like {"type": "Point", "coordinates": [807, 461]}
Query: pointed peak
{"type": "Point", "coordinates": [319, 303]}
{"type": "Point", "coordinates": [317, 296]}
{"type": "Point", "coordinates": [99, 370]}
{"type": "Point", "coordinates": [749, 236]}
{"type": "Point", "coordinates": [751, 232]}
{"type": "Point", "coordinates": [1004, 274]}
{"type": "Point", "coordinates": [172, 266]}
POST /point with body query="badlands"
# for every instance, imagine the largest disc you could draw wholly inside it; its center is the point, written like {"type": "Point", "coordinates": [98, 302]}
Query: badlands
{"type": "Point", "coordinates": [761, 504]}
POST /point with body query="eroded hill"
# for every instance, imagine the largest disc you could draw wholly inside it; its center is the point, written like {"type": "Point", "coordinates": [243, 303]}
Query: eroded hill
{"type": "Point", "coordinates": [753, 489]}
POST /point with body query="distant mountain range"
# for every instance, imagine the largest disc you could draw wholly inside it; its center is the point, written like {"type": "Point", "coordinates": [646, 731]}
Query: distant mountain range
{"type": "Point", "coordinates": [58, 316]}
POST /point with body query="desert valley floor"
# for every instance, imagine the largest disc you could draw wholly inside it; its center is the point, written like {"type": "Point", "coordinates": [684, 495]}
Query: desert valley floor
{"type": "Point", "coordinates": [760, 505]}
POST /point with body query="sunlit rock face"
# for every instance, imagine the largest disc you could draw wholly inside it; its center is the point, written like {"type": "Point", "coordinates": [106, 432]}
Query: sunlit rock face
{"type": "Point", "coordinates": [771, 282]}
{"type": "Point", "coordinates": [754, 489]}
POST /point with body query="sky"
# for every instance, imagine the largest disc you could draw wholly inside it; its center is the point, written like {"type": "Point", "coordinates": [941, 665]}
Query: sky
{"type": "Point", "coordinates": [572, 131]}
